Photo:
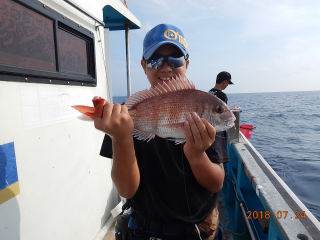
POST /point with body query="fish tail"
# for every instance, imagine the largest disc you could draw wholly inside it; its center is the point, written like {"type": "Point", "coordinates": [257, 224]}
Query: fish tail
{"type": "Point", "coordinates": [85, 110]}
{"type": "Point", "coordinates": [88, 113]}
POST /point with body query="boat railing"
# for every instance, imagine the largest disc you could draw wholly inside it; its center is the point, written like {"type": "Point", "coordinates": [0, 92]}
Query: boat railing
{"type": "Point", "coordinates": [273, 210]}
{"type": "Point", "coordinates": [234, 133]}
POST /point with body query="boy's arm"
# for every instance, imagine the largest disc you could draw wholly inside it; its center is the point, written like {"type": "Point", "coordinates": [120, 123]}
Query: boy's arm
{"type": "Point", "coordinates": [125, 171]}
{"type": "Point", "coordinates": [200, 134]}
{"type": "Point", "coordinates": [117, 123]}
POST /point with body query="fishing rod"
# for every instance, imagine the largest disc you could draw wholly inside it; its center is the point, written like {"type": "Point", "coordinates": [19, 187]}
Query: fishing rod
{"type": "Point", "coordinates": [242, 211]}
{"type": "Point", "coordinates": [271, 119]}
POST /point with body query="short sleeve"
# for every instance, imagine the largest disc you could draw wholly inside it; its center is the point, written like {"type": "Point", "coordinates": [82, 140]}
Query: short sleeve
{"type": "Point", "coordinates": [218, 93]}
{"type": "Point", "coordinates": [222, 96]}
{"type": "Point", "coordinates": [106, 148]}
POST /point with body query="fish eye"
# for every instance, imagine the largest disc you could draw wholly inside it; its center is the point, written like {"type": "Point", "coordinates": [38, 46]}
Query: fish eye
{"type": "Point", "coordinates": [219, 108]}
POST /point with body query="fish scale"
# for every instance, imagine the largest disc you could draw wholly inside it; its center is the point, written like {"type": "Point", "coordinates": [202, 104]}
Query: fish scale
{"type": "Point", "coordinates": [165, 114]}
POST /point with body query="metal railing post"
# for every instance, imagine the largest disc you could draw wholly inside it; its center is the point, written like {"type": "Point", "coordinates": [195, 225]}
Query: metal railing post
{"type": "Point", "coordinates": [233, 133]}
{"type": "Point", "coordinates": [128, 60]}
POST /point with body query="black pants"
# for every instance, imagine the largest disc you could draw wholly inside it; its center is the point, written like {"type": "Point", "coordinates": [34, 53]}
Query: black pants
{"type": "Point", "coordinates": [125, 233]}
{"type": "Point", "coordinates": [220, 232]}
{"type": "Point", "coordinates": [132, 235]}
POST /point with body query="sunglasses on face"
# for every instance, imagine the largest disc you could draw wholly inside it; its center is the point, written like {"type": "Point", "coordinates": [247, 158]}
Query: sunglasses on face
{"type": "Point", "coordinates": [174, 61]}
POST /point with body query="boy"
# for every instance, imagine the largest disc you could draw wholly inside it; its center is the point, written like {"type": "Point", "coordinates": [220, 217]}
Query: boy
{"type": "Point", "coordinates": [223, 80]}
{"type": "Point", "coordinates": [170, 188]}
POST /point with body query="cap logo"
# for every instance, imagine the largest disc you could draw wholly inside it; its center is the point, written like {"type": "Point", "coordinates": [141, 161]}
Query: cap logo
{"type": "Point", "coordinates": [172, 35]}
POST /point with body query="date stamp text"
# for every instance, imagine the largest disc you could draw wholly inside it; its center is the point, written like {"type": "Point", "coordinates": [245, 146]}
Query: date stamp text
{"type": "Point", "coordinates": [279, 215]}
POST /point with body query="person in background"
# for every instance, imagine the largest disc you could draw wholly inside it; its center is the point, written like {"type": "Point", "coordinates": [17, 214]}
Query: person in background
{"type": "Point", "coordinates": [223, 80]}
{"type": "Point", "coordinates": [171, 188]}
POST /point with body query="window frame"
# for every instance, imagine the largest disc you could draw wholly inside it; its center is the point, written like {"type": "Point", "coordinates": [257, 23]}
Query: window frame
{"type": "Point", "coordinates": [60, 21]}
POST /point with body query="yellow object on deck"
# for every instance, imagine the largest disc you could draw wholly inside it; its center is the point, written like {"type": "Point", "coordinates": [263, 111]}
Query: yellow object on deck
{"type": "Point", "coordinates": [9, 192]}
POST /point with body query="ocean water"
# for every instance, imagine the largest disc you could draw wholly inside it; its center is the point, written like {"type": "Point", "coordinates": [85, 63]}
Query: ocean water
{"type": "Point", "coordinates": [287, 135]}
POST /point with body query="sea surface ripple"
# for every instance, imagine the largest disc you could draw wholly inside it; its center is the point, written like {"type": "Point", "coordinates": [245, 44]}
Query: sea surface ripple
{"type": "Point", "coordinates": [287, 135]}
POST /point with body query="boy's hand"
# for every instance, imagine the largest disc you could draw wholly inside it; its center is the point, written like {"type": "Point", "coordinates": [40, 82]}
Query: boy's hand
{"type": "Point", "coordinates": [116, 122]}
{"type": "Point", "coordinates": [200, 134]}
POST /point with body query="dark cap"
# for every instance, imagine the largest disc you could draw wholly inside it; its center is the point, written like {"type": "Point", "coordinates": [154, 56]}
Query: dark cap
{"type": "Point", "coordinates": [224, 76]}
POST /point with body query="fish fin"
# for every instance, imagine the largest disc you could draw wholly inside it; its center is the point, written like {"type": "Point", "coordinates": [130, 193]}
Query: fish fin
{"type": "Point", "coordinates": [177, 141]}
{"type": "Point", "coordinates": [176, 84]}
{"type": "Point", "coordinates": [140, 135]}
{"type": "Point", "coordinates": [89, 111]}
{"type": "Point", "coordinates": [180, 141]}
{"type": "Point", "coordinates": [85, 118]}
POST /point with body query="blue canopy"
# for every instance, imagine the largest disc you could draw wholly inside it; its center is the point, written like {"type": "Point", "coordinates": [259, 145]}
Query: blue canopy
{"type": "Point", "coordinates": [115, 18]}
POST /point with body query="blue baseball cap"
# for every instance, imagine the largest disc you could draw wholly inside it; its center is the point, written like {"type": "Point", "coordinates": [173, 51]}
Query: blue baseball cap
{"type": "Point", "coordinates": [164, 34]}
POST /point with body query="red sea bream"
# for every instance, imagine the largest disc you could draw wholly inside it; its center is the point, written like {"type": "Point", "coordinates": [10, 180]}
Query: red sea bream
{"type": "Point", "coordinates": [162, 110]}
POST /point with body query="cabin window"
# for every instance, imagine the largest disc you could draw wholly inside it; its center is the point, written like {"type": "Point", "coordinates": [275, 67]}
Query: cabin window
{"type": "Point", "coordinates": [38, 44]}
{"type": "Point", "coordinates": [73, 53]}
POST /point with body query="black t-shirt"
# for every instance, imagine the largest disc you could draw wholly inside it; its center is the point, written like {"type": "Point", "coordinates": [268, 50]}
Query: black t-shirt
{"type": "Point", "coordinates": [165, 179]}
{"type": "Point", "coordinates": [220, 142]}
{"type": "Point", "coordinates": [219, 94]}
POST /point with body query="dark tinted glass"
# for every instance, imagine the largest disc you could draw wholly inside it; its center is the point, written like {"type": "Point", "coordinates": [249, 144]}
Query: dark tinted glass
{"type": "Point", "coordinates": [26, 38]}
{"type": "Point", "coordinates": [73, 53]}
{"type": "Point", "coordinates": [174, 55]}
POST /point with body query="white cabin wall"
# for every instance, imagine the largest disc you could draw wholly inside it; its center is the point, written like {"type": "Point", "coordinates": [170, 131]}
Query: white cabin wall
{"type": "Point", "coordinates": [66, 191]}
{"type": "Point", "coordinates": [108, 62]}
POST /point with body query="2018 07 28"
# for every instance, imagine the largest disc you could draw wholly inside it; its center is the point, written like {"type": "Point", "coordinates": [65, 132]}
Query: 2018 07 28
{"type": "Point", "coordinates": [279, 215]}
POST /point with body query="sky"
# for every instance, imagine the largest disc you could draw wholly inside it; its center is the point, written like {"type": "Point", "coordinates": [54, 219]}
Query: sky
{"type": "Point", "coordinates": [266, 45]}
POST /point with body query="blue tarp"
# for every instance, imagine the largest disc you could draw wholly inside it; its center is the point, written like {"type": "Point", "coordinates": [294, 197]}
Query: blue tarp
{"type": "Point", "coordinates": [8, 165]}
